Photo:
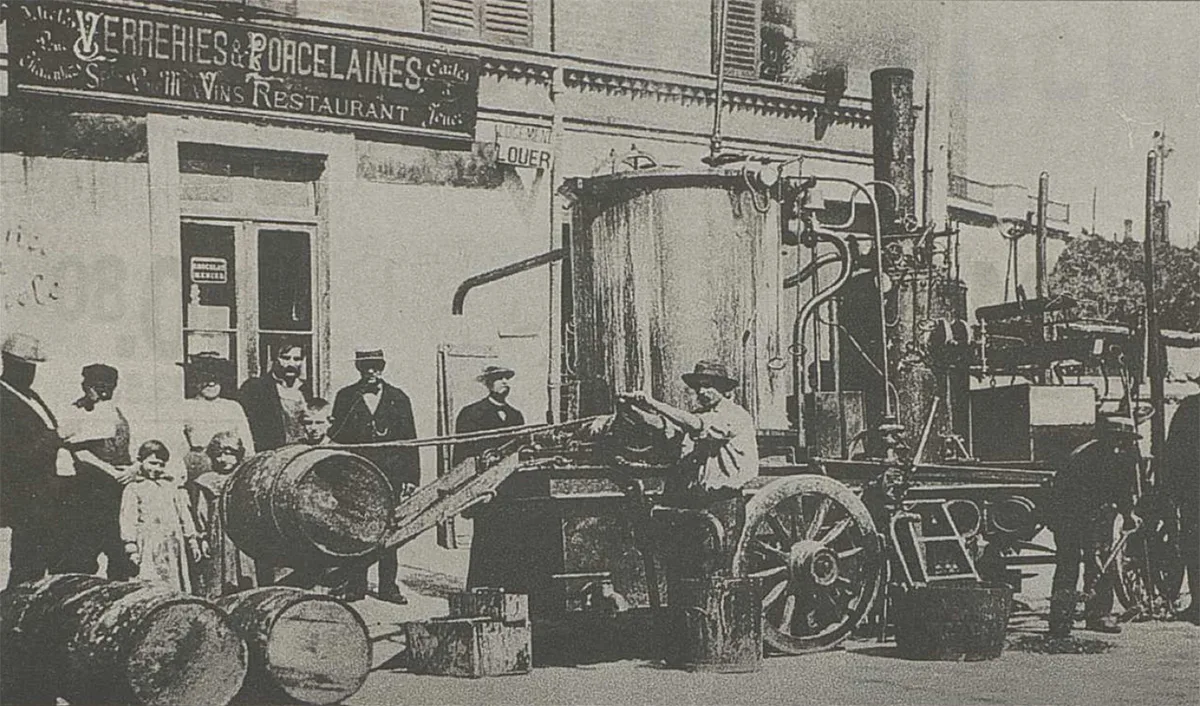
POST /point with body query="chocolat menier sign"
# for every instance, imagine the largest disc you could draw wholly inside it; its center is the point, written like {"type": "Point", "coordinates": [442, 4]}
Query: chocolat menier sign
{"type": "Point", "coordinates": [183, 61]}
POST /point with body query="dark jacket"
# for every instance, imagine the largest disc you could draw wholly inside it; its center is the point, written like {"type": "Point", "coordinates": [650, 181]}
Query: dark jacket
{"type": "Point", "coordinates": [260, 401]}
{"type": "Point", "coordinates": [1094, 478]}
{"type": "Point", "coordinates": [1181, 460]}
{"type": "Point", "coordinates": [482, 416]}
{"type": "Point", "coordinates": [353, 423]}
{"type": "Point", "coordinates": [28, 451]}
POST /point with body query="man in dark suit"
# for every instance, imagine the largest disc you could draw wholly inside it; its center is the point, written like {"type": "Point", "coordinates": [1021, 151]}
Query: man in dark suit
{"type": "Point", "coordinates": [34, 468]}
{"type": "Point", "coordinates": [275, 403]}
{"type": "Point", "coordinates": [491, 412]}
{"type": "Point", "coordinates": [1181, 468]}
{"type": "Point", "coordinates": [372, 411]}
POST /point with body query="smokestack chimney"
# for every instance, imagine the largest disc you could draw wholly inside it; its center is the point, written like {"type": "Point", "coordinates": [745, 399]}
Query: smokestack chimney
{"type": "Point", "coordinates": [894, 129]}
{"type": "Point", "coordinates": [1128, 230]}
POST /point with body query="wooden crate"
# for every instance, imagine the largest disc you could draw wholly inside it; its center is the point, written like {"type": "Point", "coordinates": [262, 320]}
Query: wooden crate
{"type": "Point", "coordinates": [494, 603]}
{"type": "Point", "coordinates": [468, 647]}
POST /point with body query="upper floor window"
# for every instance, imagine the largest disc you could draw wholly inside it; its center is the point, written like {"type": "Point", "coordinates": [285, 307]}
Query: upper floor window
{"type": "Point", "coordinates": [742, 31]}
{"type": "Point", "coordinates": [499, 21]}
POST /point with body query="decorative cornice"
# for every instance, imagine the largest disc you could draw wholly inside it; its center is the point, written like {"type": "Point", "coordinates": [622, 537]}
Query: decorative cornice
{"type": "Point", "coordinates": [684, 94]}
{"type": "Point", "coordinates": [517, 69]}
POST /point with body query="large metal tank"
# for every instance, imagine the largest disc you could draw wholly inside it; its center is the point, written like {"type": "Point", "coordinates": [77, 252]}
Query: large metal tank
{"type": "Point", "coordinates": [669, 267]}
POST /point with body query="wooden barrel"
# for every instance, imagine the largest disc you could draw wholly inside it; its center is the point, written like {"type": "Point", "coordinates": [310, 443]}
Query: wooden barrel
{"type": "Point", "coordinates": [33, 657]}
{"type": "Point", "coordinates": [714, 625]}
{"type": "Point", "coordinates": [305, 505]}
{"type": "Point", "coordinates": [304, 647]}
{"type": "Point", "coordinates": [130, 642]}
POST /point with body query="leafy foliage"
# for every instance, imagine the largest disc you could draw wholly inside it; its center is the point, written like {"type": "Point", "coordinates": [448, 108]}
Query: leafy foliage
{"type": "Point", "coordinates": [1106, 278]}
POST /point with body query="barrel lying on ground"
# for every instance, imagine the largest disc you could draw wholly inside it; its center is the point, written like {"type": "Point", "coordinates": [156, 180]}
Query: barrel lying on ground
{"type": "Point", "coordinates": [124, 642]}
{"type": "Point", "coordinates": [304, 647]}
{"type": "Point", "coordinates": [305, 505]}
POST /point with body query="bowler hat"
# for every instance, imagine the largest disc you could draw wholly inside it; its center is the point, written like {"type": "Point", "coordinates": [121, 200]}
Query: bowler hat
{"type": "Point", "coordinates": [495, 372]}
{"type": "Point", "coordinates": [710, 372]}
{"type": "Point", "coordinates": [24, 347]}
{"type": "Point", "coordinates": [100, 373]}
{"type": "Point", "coordinates": [369, 356]}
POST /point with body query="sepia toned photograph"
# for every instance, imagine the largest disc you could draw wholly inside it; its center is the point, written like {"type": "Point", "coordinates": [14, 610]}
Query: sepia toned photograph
{"type": "Point", "coordinates": [589, 352]}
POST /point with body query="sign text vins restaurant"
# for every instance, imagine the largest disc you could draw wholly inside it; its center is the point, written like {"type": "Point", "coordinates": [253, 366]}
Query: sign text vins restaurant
{"type": "Point", "coordinates": [184, 62]}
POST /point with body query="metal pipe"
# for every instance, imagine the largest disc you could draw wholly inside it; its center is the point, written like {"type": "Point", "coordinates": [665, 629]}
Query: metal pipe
{"type": "Point", "coordinates": [926, 170]}
{"type": "Point", "coordinates": [887, 400]}
{"type": "Point", "coordinates": [529, 263]}
{"type": "Point", "coordinates": [811, 305]}
{"type": "Point", "coordinates": [1040, 237]}
{"type": "Point", "coordinates": [722, 21]}
{"type": "Point", "coordinates": [810, 268]}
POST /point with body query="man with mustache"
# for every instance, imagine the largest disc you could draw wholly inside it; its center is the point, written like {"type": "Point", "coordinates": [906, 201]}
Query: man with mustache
{"type": "Point", "coordinates": [371, 411]}
{"type": "Point", "coordinates": [275, 402]}
{"type": "Point", "coordinates": [275, 405]}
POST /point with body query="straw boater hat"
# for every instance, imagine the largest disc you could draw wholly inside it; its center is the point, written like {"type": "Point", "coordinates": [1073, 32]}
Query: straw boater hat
{"type": "Point", "coordinates": [495, 372]}
{"type": "Point", "coordinates": [24, 347]}
{"type": "Point", "coordinates": [710, 372]}
{"type": "Point", "coordinates": [1115, 425]}
{"type": "Point", "coordinates": [207, 362]}
{"type": "Point", "coordinates": [374, 355]}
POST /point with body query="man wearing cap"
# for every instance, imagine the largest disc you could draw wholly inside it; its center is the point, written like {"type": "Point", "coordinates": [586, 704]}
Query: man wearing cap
{"type": "Point", "coordinates": [97, 432]}
{"type": "Point", "coordinates": [275, 403]}
{"type": "Point", "coordinates": [367, 412]}
{"type": "Point", "coordinates": [720, 452]}
{"type": "Point", "coordinates": [1095, 483]}
{"type": "Point", "coordinates": [491, 412]}
{"type": "Point", "coordinates": [34, 468]}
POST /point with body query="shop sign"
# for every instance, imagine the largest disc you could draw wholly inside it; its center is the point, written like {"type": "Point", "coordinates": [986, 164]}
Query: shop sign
{"type": "Point", "coordinates": [182, 61]}
{"type": "Point", "coordinates": [209, 270]}
{"type": "Point", "coordinates": [523, 146]}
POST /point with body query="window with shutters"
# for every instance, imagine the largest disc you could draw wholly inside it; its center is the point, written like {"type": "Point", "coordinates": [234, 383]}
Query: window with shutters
{"type": "Point", "coordinates": [499, 21]}
{"type": "Point", "coordinates": [742, 28]}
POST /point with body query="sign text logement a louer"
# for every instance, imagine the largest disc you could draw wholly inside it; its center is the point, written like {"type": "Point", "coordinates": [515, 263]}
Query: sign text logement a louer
{"type": "Point", "coordinates": [188, 62]}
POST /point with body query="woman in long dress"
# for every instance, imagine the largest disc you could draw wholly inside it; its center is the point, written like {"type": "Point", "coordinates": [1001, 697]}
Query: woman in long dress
{"type": "Point", "coordinates": [205, 413]}
{"type": "Point", "coordinates": [156, 522]}
{"type": "Point", "coordinates": [226, 569]}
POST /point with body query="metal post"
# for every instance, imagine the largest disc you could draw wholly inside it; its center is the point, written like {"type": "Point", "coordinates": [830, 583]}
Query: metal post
{"type": "Point", "coordinates": [715, 142]}
{"type": "Point", "coordinates": [1154, 350]}
{"type": "Point", "coordinates": [1040, 245]}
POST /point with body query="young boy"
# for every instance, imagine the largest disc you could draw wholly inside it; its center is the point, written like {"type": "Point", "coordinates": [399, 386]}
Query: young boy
{"type": "Point", "coordinates": [156, 523]}
{"type": "Point", "coordinates": [315, 421]}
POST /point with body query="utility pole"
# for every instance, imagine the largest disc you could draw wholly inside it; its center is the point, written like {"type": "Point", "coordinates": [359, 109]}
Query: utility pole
{"type": "Point", "coordinates": [1155, 368]}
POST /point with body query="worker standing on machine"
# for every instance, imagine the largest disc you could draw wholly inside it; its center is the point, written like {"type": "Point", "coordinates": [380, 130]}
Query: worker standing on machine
{"type": "Point", "coordinates": [719, 451]}
{"type": "Point", "coordinates": [1094, 485]}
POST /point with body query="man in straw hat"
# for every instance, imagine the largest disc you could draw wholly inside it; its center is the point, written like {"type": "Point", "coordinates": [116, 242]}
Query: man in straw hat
{"type": "Point", "coordinates": [1096, 482]}
{"type": "Point", "coordinates": [497, 541]}
{"type": "Point", "coordinates": [371, 411]}
{"type": "Point", "coordinates": [491, 412]}
{"type": "Point", "coordinates": [34, 468]}
{"type": "Point", "coordinates": [720, 455]}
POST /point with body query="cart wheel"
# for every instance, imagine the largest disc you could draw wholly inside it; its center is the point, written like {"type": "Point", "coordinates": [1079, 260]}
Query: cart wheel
{"type": "Point", "coordinates": [1149, 567]}
{"type": "Point", "coordinates": [814, 546]}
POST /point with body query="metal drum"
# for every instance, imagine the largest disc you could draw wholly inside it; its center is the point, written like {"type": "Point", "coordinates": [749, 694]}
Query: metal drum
{"type": "Point", "coordinates": [715, 625]}
{"type": "Point", "coordinates": [669, 267]}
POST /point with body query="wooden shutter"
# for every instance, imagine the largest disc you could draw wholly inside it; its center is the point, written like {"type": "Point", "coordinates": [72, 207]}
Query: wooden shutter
{"type": "Point", "coordinates": [507, 21]}
{"type": "Point", "coordinates": [501, 21]}
{"type": "Point", "coordinates": [457, 17]}
{"type": "Point", "coordinates": [742, 26]}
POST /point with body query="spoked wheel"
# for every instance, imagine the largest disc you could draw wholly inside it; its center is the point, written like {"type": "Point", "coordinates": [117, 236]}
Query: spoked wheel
{"type": "Point", "coordinates": [814, 546]}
